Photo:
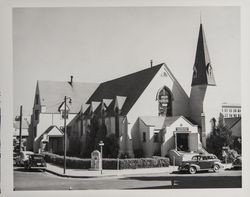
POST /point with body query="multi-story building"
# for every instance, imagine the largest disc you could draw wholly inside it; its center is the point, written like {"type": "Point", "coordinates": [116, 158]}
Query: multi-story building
{"type": "Point", "coordinates": [230, 110]}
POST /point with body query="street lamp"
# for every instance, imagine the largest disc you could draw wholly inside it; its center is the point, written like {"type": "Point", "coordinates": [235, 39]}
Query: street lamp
{"type": "Point", "coordinates": [64, 109]}
{"type": "Point", "coordinates": [101, 144]}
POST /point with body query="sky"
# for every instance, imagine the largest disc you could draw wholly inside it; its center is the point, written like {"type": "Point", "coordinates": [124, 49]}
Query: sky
{"type": "Point", "coordinates": [100, 44]}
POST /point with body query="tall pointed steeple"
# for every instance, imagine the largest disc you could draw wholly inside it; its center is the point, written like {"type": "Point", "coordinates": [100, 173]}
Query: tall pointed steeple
{"type": "Point", "coordinates": [202, 70]}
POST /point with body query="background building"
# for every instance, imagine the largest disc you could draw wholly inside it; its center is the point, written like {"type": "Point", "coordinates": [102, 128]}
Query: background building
{"type": "Point", "coordinates": [25, 128]}
{"type": "Point", "coordinates": [230, 110]}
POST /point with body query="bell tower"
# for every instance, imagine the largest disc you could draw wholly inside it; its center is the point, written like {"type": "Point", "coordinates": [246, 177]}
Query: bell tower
{"type": "Point", "coordinates": [202, 78]}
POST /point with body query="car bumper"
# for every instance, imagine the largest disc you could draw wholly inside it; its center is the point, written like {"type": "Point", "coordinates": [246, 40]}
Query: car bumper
{"type": "Point", "coordinates": [182, 168]}
{"type": "Point", "coordinates": [237, 166]}
{"type": "Point", "coordinates": [38, 167]}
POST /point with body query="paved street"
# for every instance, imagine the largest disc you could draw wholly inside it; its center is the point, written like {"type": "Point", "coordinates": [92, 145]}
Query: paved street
{"type": "Point", "coordinates": [36, 180]}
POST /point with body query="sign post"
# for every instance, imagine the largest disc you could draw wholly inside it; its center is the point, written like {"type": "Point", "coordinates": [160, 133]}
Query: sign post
{"type": "Point", "coordinates": [20, 128]}
{"type": "Point", "coordinates": [101, 144]}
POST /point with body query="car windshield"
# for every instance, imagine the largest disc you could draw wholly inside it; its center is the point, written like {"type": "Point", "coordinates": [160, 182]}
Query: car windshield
{"type": "Point", "coordinates": [195, 158]}
{"type": "Point", "coordinates": [37, 157]}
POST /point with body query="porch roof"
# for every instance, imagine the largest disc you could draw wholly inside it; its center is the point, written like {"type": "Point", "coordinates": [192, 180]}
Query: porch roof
{"type": "Point", "coordinates": [53, 131]}
{"type": "Point", "coordinates": [159, 122]}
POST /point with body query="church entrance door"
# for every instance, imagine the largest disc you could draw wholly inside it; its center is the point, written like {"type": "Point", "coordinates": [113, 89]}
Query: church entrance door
{"type": "Point", "coordinates": [182, 141]}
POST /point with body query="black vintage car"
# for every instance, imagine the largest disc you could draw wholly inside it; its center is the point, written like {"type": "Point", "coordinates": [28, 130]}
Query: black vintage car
{"type": "Point", "coordinates": [237, 164]}
{"type": "Point", "coordinates": [35, 161]}
{"type": "Point", "coordinates": [201, 162]}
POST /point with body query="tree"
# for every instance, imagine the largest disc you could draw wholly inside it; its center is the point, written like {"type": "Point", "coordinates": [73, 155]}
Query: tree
{"type": "Point", "coordinates": [220, 137]}
{"type": "Point", "coordinates": [91, 136]}
{"type": "Point", "coordinates": [111, 148]}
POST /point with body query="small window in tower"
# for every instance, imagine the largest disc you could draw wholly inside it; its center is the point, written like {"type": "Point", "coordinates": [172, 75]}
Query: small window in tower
{"type": "Point", "coordinates": [195, 73]}
{"type": "Point", "coordinates": [209, 69]}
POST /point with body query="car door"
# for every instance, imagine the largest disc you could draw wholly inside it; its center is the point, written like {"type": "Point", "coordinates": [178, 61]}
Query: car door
{"type": "Point", "coordinates": [203, 163]}
{"type": "Point", "coordinates": [198, 161]}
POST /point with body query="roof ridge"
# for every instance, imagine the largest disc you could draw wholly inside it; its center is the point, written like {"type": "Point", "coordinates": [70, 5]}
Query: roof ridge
{"type": "Point", "coordinates": [237, 119]}
{"type": "Point", "coordinates": [146, 69]}
{"type": "Point", "coordinates": [79, 82]}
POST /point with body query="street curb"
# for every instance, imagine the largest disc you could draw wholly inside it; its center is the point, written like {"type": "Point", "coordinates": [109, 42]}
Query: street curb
{"type": "Point", "coordinates": [73, 176]}
{"type": "Point", "coordinates": [99, 176]}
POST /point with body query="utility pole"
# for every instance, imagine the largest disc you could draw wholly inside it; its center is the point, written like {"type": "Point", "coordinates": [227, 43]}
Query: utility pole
{"type": "Point", "coordinates": [64, 138]}
{"type": "Point", "coordinates": [64, 112]}
{"type": "Point", "coordinates": [20, 128]}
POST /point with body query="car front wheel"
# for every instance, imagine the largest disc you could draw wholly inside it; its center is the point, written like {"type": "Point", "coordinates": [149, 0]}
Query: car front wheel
{"type": "Point", "coordinates": [216, 168]}
{"type": "Point", "coordinates": [192, 170]}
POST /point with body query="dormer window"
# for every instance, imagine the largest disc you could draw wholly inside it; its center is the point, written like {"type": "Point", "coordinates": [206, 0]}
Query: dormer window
{"type": "Point", "coordinates": [209, 69]}
{"type": "Point", "coordinates": [195, 73]}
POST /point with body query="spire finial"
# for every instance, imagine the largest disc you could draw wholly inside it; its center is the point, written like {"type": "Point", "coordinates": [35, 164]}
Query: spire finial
{"type": "Point", "coordinates": [200, 17]}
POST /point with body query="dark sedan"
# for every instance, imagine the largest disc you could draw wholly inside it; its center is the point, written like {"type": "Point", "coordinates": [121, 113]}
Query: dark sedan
{"type": "Point", "coordinates": [203, 162]}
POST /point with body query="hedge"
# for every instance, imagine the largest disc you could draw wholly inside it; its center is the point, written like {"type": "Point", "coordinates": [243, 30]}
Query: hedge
{"type": "Point", "coordinates": [132, 163]}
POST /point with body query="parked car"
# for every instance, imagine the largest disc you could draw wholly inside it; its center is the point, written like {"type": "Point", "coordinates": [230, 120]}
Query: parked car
{"type": "Point", "coordinates": [201, 162]}
{"type": "Point", "coordinates": [237, 164]}
{"type": "Point", "coordinates": [35, 161]}
{"type": "Point", "coordinates": [22, 158]}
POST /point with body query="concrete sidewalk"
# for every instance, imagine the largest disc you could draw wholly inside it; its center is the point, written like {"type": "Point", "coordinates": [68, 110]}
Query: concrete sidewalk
{"type": "Point", "coordinates": [85, 173]}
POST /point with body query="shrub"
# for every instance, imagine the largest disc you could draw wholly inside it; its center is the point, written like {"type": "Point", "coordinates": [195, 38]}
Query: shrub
{"type": "Point", "coordinates": [79, 163]}
{"type": "Point", "coordinates": [71, 162]}
{"type": "Point", "coordinates": [143, 163]}
{"type": "Point", "coordinates": [124, 156]}
{"type": "Point", "coordinates": [138, 153]}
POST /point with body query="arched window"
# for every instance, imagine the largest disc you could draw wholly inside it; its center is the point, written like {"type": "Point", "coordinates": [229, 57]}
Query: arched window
{"type": "Point", "coordinates": [165, 98]}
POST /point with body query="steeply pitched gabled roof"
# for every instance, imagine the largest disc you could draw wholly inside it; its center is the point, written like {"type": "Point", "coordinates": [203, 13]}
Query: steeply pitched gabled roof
{"type": "Point", "coordinates": [52, 94]}
{"type": "Point", "coordinates": [130, 86]}
{"type": "Point", "coordinates": [160, 122]}
{"type": "Point", "coordinates": [231, 122]}
{"type": "Point", "coordinates": [53, 131]}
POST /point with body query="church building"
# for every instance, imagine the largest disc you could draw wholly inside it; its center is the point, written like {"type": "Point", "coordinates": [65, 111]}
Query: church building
{"type": "Point", "coordinates": [145, 113]}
